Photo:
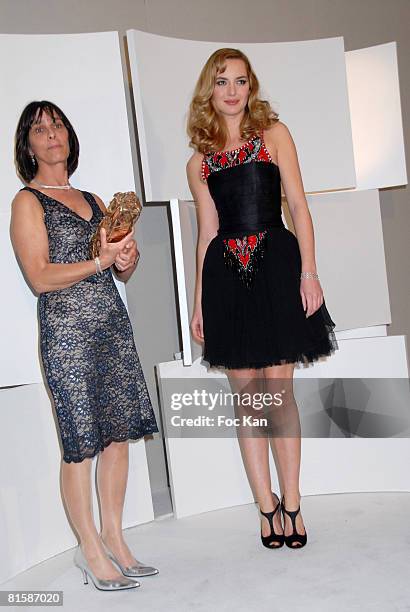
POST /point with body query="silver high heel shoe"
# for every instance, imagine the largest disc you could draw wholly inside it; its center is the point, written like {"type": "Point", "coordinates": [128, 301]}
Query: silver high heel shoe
{"type": "Point", "coordinates": [116, 584]}
{"type": "Point", "coordinates": [132, 571]}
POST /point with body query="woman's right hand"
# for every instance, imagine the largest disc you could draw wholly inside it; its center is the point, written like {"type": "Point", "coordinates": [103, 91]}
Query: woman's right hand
{"type": "Point", "coordinates": [197, 330]}
{"type": "Point", "coordinates": [110, 250]}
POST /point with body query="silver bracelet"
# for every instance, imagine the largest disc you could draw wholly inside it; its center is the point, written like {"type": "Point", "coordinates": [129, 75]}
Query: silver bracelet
{"type": "Point", "coordinates": [98, 265]}
{"type": "Point", "coordinates": [309, 275]}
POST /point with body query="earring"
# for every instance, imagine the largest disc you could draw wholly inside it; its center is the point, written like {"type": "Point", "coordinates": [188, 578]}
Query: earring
{"type": "Point", "coordinates": [33, 160]}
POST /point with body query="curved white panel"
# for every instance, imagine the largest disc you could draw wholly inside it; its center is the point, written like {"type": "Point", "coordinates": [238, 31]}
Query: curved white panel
{"type": "Point", "coordinates": [374, 99]}
{"type": "Point", "coordinates": [304, 80]}
{"type": "Point", "coordinates": [81, 73]}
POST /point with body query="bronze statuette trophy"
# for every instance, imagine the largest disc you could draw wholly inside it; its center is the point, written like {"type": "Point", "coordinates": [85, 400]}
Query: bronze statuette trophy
{"type": "Point", "coordinates": [122, 212]}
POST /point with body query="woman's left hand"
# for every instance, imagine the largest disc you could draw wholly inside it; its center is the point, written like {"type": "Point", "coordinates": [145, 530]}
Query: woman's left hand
{"type": "Point", "coordinates": [311, 294]}
{"type": "Point", "coordinates": [127, 257]}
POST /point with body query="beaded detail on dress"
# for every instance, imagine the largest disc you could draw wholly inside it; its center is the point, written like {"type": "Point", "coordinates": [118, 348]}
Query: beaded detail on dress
{"type": "Point", "coordinates": [244, 255]}
{"type": "Point", "coordinates": [253, 149]}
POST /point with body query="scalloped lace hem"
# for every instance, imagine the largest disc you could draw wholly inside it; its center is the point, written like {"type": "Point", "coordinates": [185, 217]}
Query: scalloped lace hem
{"type": "Point", "coordinates": [92, 453]}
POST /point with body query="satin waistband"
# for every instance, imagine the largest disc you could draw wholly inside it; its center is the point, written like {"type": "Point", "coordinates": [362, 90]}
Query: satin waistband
{"type": "Point", "coordinates": [237, 232]}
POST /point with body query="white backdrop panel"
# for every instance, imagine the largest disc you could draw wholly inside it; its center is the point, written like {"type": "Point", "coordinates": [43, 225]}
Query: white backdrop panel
{"type": "Point", "coordinates": [82, 74]}
{"type": "Point", "coordinates": [375, 110]}
{"type": "Point", "coordinates": [350, 257]}
{"type": "Point", "coordinates": [363, 332]}
{"type": "Point", "coordinates": [184, 217]}
{"type": "Point", "coordinates": [19, 356]}
{"type": "Point", "coordinates": [304, 80]}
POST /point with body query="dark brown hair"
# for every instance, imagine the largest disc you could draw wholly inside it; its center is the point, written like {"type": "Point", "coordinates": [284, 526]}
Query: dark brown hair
{"type": "Point", "coordinates": [30, 115]}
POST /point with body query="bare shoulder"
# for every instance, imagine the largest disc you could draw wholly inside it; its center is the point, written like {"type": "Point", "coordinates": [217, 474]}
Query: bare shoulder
{"type": "Point", "coordinates": [27, 225]}
{"type": "Point", "coordinates": [194, 164]}
{"type": "Point", "coordinates": [26, 202]}
{"type": "Point", "coordinates": [277, 134]}
{"type": "Point", "coordinates": [100, 202]}
{"type": "Point", "coordinates": [194, 174]}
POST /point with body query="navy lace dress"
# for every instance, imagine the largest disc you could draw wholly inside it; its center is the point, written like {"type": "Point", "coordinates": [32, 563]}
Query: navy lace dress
{"type": "Point", "coordinates": [87, 345]}
{"type": "Point", "coordinates": [252, 309]}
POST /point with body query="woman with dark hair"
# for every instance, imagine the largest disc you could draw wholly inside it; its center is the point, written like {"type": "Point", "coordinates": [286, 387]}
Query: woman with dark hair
{"type": "Point", "coordinates": [87, 346]}
{"type": "Point", "coordinates": [259, 307]}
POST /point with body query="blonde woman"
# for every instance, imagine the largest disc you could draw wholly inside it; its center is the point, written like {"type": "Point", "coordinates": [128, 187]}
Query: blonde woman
{"type": "Point", "coordinates": [259, 306]}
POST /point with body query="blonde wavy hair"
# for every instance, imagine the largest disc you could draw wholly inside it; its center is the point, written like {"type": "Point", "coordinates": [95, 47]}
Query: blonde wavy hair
{"type": "Point", "coordinates": [207, 129]}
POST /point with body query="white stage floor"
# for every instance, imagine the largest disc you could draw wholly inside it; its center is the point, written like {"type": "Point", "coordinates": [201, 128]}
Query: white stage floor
{"type": "Point", "coordinates": [356, 558]}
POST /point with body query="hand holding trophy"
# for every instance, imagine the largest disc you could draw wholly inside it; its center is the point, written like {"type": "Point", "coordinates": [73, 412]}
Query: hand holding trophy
{"type": "Point", "coordinates": [122, 213]}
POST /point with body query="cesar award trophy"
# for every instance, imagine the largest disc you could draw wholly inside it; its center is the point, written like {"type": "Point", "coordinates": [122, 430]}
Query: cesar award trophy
{"type": "Point", "coordinates": [122, 212]}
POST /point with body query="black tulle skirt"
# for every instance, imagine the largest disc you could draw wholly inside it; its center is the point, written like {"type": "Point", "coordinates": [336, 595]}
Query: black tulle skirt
{"type": "Point", "coordinates": [262, 323]}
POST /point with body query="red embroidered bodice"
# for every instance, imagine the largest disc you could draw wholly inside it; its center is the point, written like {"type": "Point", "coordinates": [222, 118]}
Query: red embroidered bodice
{"type": "Point", "coordinates": [252, 150]}
{"type": "Point", "coordinates": [245, 186]}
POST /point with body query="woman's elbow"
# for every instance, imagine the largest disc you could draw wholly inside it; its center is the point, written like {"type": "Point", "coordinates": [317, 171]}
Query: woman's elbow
{"type": "Point", "coordinates": [37, 282]}
{"type": "Point", "coordinates": [205, 238]}
{"type": "Point", "coordinates": [38, 287]}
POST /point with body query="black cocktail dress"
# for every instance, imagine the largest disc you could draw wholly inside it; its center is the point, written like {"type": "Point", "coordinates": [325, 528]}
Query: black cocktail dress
{"type": "Point", "coordinates": [252, 309]}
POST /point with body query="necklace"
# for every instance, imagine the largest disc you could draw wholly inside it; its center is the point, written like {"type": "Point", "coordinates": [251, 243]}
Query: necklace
{"type": "Point", "coordinates": [68, 186]}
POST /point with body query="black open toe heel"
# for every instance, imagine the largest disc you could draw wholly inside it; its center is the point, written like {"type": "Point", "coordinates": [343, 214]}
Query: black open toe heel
{"type": "Point", "coordinates": [290, 540]}
{"type": "Point", "coordinates": [274, 540]}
